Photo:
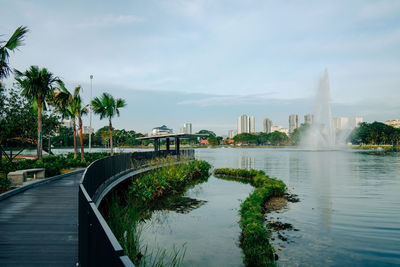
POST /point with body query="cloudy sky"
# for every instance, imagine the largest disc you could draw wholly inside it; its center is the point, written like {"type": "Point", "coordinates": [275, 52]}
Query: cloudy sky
{"type": "Point", "coordinates": [208, 62]}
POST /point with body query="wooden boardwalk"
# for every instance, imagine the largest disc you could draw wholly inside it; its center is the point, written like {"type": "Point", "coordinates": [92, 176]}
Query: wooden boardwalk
{"type": "Point", "coordinates": [39, 227]}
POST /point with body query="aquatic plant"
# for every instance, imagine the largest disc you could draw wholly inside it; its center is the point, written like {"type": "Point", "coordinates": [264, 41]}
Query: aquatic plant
{"type": "Point", "coordinates": [147, 190]}
{"type": "Point", "coordinates": [255, 238]}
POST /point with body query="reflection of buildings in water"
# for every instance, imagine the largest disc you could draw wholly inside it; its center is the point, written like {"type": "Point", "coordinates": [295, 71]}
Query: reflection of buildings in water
{"type": "Point", "coordinates": [294, 167]}
{"type": "Point", "coordinates": [246, 161]}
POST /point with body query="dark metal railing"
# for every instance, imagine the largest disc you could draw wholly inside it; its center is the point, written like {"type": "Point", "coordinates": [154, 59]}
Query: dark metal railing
{"type": "Point", "coordinates": [97, 244]}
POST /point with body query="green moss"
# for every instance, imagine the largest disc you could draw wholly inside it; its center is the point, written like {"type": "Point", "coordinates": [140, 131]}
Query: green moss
{"type": "Point", "coordinates": [255, 239]}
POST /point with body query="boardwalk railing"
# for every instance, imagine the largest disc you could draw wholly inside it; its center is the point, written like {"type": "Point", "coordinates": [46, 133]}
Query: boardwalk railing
{"type": "Point", "coordinates": [97, 244]}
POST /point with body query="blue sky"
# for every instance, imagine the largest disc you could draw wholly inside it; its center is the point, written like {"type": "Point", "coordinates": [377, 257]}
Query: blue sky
{"type": "Point", "coordinates": [208, 62]}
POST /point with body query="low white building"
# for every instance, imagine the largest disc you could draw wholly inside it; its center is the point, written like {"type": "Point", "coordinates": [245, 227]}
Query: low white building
{"type": "Point", "coordinates": [161, 130]}
{"type": "Point", "coordinates": [280, 129]}
{"type": "Point", "coordinates": [394, 123]}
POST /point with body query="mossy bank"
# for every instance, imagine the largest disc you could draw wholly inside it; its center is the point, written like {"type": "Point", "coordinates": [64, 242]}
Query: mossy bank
{"type": "Point", "coordinates": [255, 238]}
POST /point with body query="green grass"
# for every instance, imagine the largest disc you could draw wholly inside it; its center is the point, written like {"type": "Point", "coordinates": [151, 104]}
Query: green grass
{"type": "Point", "coordinates": [255, 238]}
{"type": "Point", "coordinates": [146, 192]}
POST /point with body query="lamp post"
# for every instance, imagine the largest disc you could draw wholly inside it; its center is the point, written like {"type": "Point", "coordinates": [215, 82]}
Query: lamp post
{"type": "Point", "coordinates": [90, 116]}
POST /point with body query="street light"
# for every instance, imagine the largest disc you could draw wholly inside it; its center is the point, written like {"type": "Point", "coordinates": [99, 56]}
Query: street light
{"type": "Point", "coordinates": [90, 116]}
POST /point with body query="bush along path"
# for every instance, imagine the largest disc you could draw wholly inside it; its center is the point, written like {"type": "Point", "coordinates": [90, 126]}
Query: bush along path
{"type": "Point", "coordinates": [255, 238]}
{"type": "Point", "coordinates": [52, 164]}
{"type": "Point", "coordinates": [124, 212]}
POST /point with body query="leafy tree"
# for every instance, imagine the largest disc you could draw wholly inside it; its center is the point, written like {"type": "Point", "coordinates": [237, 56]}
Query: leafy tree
{"type": "Point", "coordinates": [18, 121]}
{"type": "Point", "coordinates": [213, 141]}
{"type": "Point", "coordinates": [107, 107]}
{"type": "Point", "coordinates": [12, 44]}
{"type": "Point", "coordinates": [299, 132]}
{"type": "Point", "coordinates": [38, 85]}
{"type": "Point", "coordinates": [210, 133]}
{"type": "Point", "coordinates": [278, 138]}
{"type": "Point", "coordinates": [375, 133]}
{"type": "Point", "coordinates": [245, 138]}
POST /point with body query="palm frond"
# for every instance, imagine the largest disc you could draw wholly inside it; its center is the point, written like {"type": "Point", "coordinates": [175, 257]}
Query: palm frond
{"type": "Point", "coordinates": [17, 38]}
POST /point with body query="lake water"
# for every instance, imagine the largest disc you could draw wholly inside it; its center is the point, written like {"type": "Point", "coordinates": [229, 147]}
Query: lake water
{"type": "Point", "coordinates": [348, 214]}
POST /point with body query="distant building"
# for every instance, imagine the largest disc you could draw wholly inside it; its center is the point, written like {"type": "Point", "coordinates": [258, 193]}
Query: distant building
{"type": "Point", "coordinates": [67, 123]}
{"type": "Point", "coordinates": [229, 141]}
{"type": "Point", "coordinates": [232, 133]}
{"type": "Point", "coordinates": [308, 118]}
{"type": "Point", "coordinates": [294, 122]}
{"type": "Point", "coordinates": [187, 128]}
{"type": "Point", "coordinates": [87, 130]}
{"type": "Point", "coordinates": [246, 124]}
{"type": "Point", "coordinates": [340, 123]}
{"type": "Point", "coordinates": [279, 129]}
{"type": "Point", "coordinates": [267, 125]}
{"type": "Point", "coordinates": [252, 124]}
{"type": "Point", "coordinates": [355, 121]}
{"type": "Point", "coordinates": [243, 124]}
{"type": "Point", "coordinates": [394, 123]}
{"type": "Point", "coordinates": [161, 130]}
{"type": "Point", "coordinates": [346, 123]}
{"type": "Point", "coordinates": [204, 142]}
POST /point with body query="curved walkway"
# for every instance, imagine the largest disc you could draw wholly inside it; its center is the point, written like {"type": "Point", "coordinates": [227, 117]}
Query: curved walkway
{"type": "Point", "coordinates": [40, 225]}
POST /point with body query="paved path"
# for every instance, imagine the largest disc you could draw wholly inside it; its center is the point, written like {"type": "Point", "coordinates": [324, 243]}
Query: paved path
{"type": "Point", "coordinates": [40, 225]}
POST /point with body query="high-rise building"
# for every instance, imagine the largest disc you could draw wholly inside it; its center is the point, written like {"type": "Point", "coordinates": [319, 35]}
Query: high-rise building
{"type": "Point", "coordinates": [267, 125]}
{"type": "Point", "coordinates": [252, 124]}
{"type": "Point", "coordinates": [243, 124]}
{"type": "Point", "coordinates": [232, 133]}
{"type": "Point", "coordinates": [187, 128]}
{"type": "Point", "coordinates": [308, 118]}
{"type": "Point", "coordinates": [294, 122]}
{"type": "Point", "coordinates": [346, 123]}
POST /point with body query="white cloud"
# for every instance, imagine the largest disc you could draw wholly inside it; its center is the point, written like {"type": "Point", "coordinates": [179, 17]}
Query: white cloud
{"type": "Point", "coordinates": [233, 100]}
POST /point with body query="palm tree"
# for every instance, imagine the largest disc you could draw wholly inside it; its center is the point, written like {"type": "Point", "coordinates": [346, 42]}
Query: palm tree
{"type": "Point", "coordinates": [80, 111]}
{"type": "Point", "coordinates": [12, 44]}
{"type": "Point", "coordinates": [70, 106]}
{"type": "Point", "coordinates": [107, 107]}
{"type": "Point", "coordinates": [38, 86]}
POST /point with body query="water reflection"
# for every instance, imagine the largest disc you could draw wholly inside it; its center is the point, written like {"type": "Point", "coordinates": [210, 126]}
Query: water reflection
{"type": "Point", "coordinates": [246, 161]}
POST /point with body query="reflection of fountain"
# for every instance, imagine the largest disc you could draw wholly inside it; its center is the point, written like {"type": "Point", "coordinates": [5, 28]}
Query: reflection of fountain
{"type": "Point", "coordinates": [321, 134]}
{"type": "Point", "coordinates": [323, 168]}
{"type": "Point", "coordinates": [246, 161]}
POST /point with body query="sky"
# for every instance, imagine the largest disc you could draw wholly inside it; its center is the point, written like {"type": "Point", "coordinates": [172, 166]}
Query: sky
{"type": "Point", "coordinates": [208, 62]}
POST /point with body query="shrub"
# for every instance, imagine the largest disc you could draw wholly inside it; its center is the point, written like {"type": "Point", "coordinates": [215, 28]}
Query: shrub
{"type": "Point", "coordinates": [255, 239]}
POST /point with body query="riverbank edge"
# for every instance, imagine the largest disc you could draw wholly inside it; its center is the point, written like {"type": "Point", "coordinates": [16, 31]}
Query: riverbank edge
{"type": "Point", "coordinates": [254, 240]}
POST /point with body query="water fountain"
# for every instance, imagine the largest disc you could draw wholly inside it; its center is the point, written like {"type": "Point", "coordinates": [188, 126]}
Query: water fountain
{"type": "Point", "coordinates": [321, 134]}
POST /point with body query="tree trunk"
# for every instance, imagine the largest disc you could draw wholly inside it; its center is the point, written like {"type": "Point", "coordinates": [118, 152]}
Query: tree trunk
{"type": "Point", "coordinates": [39, 128]}
{"type": "Point", "coordinates": [111, 139]}
{"type": "Point", "coordinates": [81, 137]}
{"type": "Point", "coordinates": [74, 129]}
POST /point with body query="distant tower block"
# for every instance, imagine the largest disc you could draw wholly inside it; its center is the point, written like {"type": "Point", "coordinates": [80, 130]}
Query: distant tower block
{"type": "Point", "coordinates": [308, 118]}
{"type": "Point", "coordinates": [294, 122]}
{"type": "Point", "coordinates": [267, 125]}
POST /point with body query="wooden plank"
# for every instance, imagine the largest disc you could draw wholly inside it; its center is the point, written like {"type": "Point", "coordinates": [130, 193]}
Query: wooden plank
{"type": "Point", "coordinates": [40, 226]}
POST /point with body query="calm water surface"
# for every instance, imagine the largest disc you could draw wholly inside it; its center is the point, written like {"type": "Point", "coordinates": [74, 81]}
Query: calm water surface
{"type": "Point", "coordinates": [348, 214]}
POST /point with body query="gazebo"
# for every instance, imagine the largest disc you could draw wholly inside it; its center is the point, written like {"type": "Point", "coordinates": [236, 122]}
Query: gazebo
{"type": "Point", "coordinates": [168, 137]}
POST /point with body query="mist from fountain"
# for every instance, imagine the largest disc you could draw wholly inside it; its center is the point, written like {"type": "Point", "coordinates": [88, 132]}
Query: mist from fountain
{"type": "Point", "coordinates": [321, 134]}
